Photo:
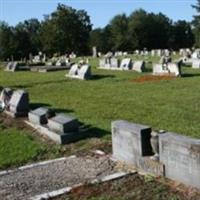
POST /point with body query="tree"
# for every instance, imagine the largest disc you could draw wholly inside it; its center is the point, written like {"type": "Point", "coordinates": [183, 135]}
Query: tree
{"type": "Point", "coordinates": [66, 30]}
{"type": "Point", "coordinates": [119, 32]}
{"type": "Point", "coordinates": [148, 30]}
{"type": "Point", "coordinates": [181, 35]}
{"type": "Point", "coordinates": [7, 41]}
{"type": "Point", "coordinates": [196, 23]}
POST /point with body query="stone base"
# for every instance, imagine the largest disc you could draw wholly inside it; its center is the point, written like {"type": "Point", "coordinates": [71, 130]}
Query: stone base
{"type": "Point", "coordinates": [16, 115]}
{"type": "Point", "coordinates": [64, 138]}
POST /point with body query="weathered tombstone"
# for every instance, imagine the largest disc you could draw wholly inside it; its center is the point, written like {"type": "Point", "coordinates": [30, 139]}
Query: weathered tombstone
{"type": "Point", "coordinates": [131, 144]}
{"type": "Point", "coordinates": [94, 52]}
{"type": "Point", "coordinates": [125, 64]}
{"type": "Point", "coordinates": [63, 124]}
{"type": "Point", "coordinates": [174, 69]}
{"type": "Point", "coordinates": [12, 66]}
{"type": "Point", "coordinates": [73, 70]}
{"type": "Point", "coordinates": [38, 116]}
{"type": "Point", "coordinates": [5, 97]}
{"type": "Point", "coordinates": [181, 157]}
{"type": "Point", "coordinates": [139, 66]}
{"type": "Point", "coordinates": [84, 72]}
{"type": "Point", "coordinates": [102, 62]}
{"type": "Point", "coordinates": [158, 69]}
{"type": "Point", "coordinates": [130, 140]}
{"type": "Point", "coordinates": [19, 103]}
{"type": "Point", "coordinates": [196, 63]}
{"type": "Point", "coordinates": [114, 63]}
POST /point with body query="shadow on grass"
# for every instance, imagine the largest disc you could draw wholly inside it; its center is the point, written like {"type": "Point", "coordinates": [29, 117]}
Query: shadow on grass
{"type": "Point", "coordinates": [34, 106]}
{"type": "Point", "coordinates": [36, 83]}
{"type": "Point", "coordinates": [188, 75]}
{"type": "Point", "coordinates": [101, 76]}
{"type": "Point", "coordinates": [89, 131]}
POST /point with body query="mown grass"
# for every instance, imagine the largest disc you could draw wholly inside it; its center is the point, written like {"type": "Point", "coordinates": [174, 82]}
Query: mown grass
{"type": "Point", "coordinates": [171, 104]}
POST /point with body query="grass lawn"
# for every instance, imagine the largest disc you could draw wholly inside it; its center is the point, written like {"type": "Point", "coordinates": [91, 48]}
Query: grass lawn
{"type": "Point", "coordinates": [172, 105]}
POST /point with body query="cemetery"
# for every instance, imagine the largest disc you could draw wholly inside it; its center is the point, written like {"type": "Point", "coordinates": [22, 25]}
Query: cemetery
{"type": "Point", "coordinates": [117, 117]}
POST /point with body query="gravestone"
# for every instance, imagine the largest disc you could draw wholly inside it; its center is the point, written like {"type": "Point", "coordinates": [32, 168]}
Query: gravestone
{"type": "Point", "coordinates": [130, 140]}
{"type": "Point", "coordinates": [73, 70]}
{"type": "Point", "coordinates": [138, 66]}
{"type": "Point", "coordinates": [12, 66]}
{"type": "Point", "coordinates": [94, 52]}
{"type": "Point", "coordinates": [196, 63]}
{"type": "Point", "coordinates": [172, 69]}
{"type": "Point", "coordinates": [63, 124]}
{"type": "Point", "coordinates": [131, 145]}
{"type": "Point", "coordinates": [181, 157]}
{"type": "Point", "coordinates": [38, 116]}
{"type": "Point", "coordinates": [19, 103]}
{"type": "Point", "coordinates": [114, 63]}
{"type": "Point", "coordinates": [125, 64]}
{"type": "Point", "coordinates": [84, 72]}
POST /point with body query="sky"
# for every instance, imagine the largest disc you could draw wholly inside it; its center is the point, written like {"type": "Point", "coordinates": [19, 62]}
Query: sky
{"type": "Point", "coordinates": [100, 11]}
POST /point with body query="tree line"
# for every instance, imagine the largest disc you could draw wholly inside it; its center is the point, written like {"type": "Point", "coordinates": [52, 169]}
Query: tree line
{"type": "Point", "coordinates": [69, 30]}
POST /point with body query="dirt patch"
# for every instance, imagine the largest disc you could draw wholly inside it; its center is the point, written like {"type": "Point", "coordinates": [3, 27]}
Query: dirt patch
{"type": "Point", "coordinates": [133, 187]}
{"type": "Point", "coordinates": [150, 78]}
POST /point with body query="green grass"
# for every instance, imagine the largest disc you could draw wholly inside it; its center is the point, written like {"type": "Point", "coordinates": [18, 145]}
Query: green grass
{"type": "Point", "coordinates": [16, 147]}
{"type": "Point", "coordinates": [172, 105]}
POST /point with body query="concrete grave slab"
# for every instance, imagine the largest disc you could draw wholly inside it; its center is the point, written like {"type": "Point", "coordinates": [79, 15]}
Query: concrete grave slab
{"type": "Point", "coordinates": [38, 116]}
{"type": "Point", "coordinates": [181, 157]}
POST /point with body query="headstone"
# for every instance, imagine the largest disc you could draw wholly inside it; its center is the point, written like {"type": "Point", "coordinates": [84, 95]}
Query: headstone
{"type": "Point", "coordinates": [174, 69]}
{"type": "Point", "coordinates": [125, 64]}
{"type": "Point", "coordinates": [38, 116]}
{"type": "Point", "coordinates": [196, 63]}
{"type": "Point", "coordinates": [94, 52]}
{"type": "Point", "coordinates": [12, 66]}
{"type": "Point", "coordinates": [139, 66]}
{"type": "Point", "coordinates": [114, 63]}
{"type": "Point", "coordinates": [73, 70]}
{"type": "Point", "coordinates": [131, 145]}
{"type": "Point", "coordinates": [19, 103]}
{"type": "Point", "coordinates": [63, 124]}
{"type": "Point", "coordinates": [158, 69]}
{"type": "Point", "coordinates": [130, 140]}
{"type": "Point", "coordinates": [80, 72]}
{"type": "Point", "coordinates": [181, 157]}
{"type": "Point", "coordinates": [84, 72]}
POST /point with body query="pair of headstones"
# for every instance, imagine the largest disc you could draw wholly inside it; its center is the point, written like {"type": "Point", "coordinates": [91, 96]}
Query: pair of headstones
{"type": "Point", "coordinates": [126, 64]}
{"type": "Point", "coordinates": [172, 69]}
{"type": "Point", "coordinates": [59, 127]}
{"type": "Point", "coordinates": [16, 102]}
{"type": "Point", "coordinates": [82, 72]}
{"type": "Point", "coordinates": [179, 156]}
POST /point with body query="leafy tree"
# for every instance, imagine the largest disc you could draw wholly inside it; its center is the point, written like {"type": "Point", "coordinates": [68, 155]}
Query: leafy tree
{"type": "Point", "coordinates": [181, 35]}
{"type": "Point", "coordinates": [7, 41]}
{"type": "Point", "coordinates": [66, 30]}
{"type": "Point", "coordinates": [119, 32]}
{"type": "Point", "coordinates": [196, 23]}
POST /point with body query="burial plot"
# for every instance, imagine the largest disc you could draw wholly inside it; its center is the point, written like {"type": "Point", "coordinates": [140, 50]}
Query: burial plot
{"type": "Point", "coordinates": [131, 144]}
{"type": "Point", "coordinates": [61, 128]}
{"type": "Point", "coordinates": [19, 104]}
{"type": "Point", "coordinates": [181, 157]}
{"type": "Point", "coordinates": [125, 64]}
{"type": "Point", "coordinates": [138, 66]}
